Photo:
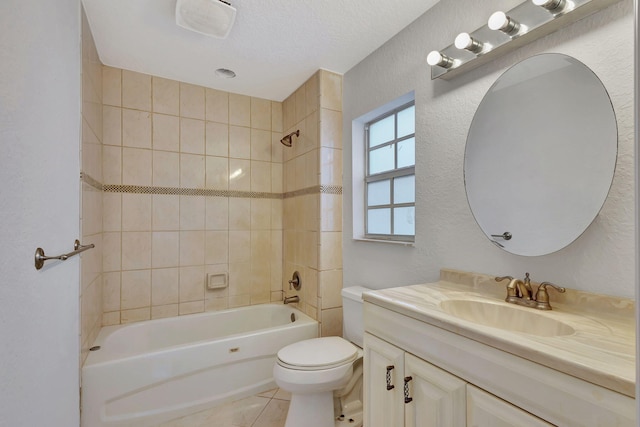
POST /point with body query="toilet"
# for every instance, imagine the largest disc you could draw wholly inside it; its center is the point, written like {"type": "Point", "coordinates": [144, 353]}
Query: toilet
{"type": "Point", "coordinates": [324, 375]}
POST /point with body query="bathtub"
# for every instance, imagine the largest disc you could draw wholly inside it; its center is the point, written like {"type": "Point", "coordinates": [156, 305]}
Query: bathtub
{"type": "Point", "coordinates": [149, 372]}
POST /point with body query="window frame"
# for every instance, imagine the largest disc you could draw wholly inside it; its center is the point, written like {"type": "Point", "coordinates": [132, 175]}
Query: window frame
{"type": "Point", "coordinates": [390, 175]}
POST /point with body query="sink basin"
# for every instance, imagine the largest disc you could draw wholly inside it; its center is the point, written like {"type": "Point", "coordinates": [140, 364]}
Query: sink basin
{"type": "Point", "coordinates": [507, 317]}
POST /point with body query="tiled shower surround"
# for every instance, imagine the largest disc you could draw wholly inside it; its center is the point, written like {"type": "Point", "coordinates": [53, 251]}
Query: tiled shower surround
{"type": "Point", "coordinates": [195, 183]}
{"type": "Point", "coordinates": [313, 203]}
{"type": "Point", "coordinates": [91, 194]}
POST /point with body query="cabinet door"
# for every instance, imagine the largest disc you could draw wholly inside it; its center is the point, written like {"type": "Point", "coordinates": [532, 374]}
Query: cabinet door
{"type": "Point", "coordinates": [486, 410]}
{"type": "Point", "coordinates": [438, 399]}
{"type": "Point", "coordinates": [383, 383]}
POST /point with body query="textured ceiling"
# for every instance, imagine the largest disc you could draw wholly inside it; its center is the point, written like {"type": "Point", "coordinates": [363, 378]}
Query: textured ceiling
{"type": "Point", "coordinates": [274, 45]}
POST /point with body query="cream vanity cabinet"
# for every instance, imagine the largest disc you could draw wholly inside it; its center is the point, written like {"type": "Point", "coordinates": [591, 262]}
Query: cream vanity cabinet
{"type": "Point", "coordinates": [455, 381]}
{"type": "Point", "coordinates": [403, 390]}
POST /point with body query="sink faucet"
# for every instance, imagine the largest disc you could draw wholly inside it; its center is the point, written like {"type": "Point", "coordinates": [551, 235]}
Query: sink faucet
{"type": "Point", "coordinates": [520, 292]}
{"type": "Point", "coordinates": [288, 300]}
{"type": "Point", "coordinates": [542, 296]}
{"type": "Point", "coordinates": [525, 287]}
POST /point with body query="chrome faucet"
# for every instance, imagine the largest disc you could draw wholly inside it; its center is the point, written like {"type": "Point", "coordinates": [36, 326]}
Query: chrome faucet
{"type": "Point", "coordinates": [288, 300]}
{"type": "Point", "coordinates": [520, 292]}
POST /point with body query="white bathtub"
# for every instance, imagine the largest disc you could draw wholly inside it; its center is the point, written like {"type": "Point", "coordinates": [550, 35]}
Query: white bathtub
{"type": "Point", "coordinates": [149, 372]}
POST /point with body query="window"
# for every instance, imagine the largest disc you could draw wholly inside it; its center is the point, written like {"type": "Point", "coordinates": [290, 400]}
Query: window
{"type": "Point", "coordinates": [390, 175]}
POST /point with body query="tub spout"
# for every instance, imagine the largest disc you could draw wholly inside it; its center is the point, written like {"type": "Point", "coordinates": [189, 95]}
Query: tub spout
{"type": "Point", "coordinates": [294, 298]}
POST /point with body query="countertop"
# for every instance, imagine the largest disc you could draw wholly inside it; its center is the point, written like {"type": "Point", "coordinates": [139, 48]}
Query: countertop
{"type": "Point", "coordinates": [600, 351]}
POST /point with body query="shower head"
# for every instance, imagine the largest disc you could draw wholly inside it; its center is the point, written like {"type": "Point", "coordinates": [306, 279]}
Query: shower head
{"type": "Point", "coordinates": [286, 141]}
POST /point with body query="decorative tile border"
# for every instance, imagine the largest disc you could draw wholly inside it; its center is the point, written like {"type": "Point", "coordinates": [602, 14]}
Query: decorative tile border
{"type": "Point", "coordinates": [141, 189]}
{"type": "Point", "coordinates": [324, 189]}
{"type": "Point", "coordinates": [91, 181]}
{"type": "Point", "coordinates": [331, 189]}
{"type": "Point", "coordinates": [138, 189]}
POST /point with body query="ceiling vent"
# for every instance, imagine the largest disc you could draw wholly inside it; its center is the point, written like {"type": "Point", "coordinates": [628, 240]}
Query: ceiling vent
{"type": "Point", "coordinates": [209, 17]}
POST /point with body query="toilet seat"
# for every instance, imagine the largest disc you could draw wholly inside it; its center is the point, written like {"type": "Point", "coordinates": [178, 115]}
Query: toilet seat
{"type": "Point", "coordinates": [318, 354]}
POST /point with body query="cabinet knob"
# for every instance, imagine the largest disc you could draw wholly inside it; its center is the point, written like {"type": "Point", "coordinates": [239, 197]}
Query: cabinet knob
{"type": "Point", "coordinates": [407, 399]}
{"type": "Point", "coordinates": [389, 385]}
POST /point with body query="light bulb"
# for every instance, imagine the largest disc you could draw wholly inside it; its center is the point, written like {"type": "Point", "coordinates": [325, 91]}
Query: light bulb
{"type": "Point", "coordinates": [555, 5]}
{"type": "Point", "coordinates": [500, 21]}
{"type": "Point", "coordinates": [438, 58]}
{"type": "Point", "coordinates": [465, 41]}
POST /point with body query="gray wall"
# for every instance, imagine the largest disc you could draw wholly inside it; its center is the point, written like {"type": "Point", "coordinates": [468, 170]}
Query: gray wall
{"type": "Point", "coordinates": [601, 260]}
{"type": "Point", "coordinates": [39, 206]}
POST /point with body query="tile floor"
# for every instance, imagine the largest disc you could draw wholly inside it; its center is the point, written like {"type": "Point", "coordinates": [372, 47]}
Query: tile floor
{"type": "Point", "coordinates": [268, 409]}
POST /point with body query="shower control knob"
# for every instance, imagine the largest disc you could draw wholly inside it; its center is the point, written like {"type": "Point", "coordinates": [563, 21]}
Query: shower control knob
{"type": "Point", "coordinates": [295, 282]}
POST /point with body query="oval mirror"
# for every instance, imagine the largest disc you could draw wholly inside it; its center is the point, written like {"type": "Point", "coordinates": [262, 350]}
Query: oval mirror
{"type": "Point", "coordinates": [540, 155]}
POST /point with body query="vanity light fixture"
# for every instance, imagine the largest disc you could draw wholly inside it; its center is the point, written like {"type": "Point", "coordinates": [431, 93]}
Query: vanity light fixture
{"type": "Point", "coordinates": [522, 24]}
{"type": "Point", "coordinates": [554, 6]}
{"type": "Point", "coordinates": [501, 22]}
{"type": "Point", "coordinates": [438, 58]}
{"type": "Point", "coordinates": [465, 41]}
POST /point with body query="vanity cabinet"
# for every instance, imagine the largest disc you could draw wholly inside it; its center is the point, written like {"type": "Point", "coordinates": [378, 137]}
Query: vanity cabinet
{"type": "Point", "coordinates": [404, 390]}
{"type": "Point", "coordinates": [486, 410]}
{"type": "Point", "coordinates": [436, 397]}
{"type": "Point", "coordinates": [457, 381]}
{"type": "Point", "coordinates": [383, 383]}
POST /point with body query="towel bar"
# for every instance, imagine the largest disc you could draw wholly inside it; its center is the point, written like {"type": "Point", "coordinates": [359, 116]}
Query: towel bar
{"type": "Point", "coordinates": [40, 257]}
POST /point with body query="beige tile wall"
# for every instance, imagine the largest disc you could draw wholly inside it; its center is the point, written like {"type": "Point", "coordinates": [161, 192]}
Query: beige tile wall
{"type": "Point", "coordinates": [313, 222]}
{"type": "Point", "coordinates": [158, 248]}
{"type": "Point", "coordinates": [91, 195]}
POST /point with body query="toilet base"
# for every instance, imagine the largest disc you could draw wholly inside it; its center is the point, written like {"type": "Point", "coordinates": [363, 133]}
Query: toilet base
{"type": "Point", "coordinates": [316, 410]}
{"type": "Point", "coordinates": [348, 400]}
{"type": "Point", "coordinates": [354, 420]}
{"type": "Point", "coordinates": [311, 410]}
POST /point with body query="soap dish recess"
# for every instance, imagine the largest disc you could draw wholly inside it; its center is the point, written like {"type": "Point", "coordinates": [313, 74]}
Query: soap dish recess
{"type": "Point", "coordinates": [216, 281]}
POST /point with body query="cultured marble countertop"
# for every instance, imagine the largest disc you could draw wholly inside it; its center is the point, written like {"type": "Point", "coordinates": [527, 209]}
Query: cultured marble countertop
{"type": "Point", "coordinates": [601, 351]}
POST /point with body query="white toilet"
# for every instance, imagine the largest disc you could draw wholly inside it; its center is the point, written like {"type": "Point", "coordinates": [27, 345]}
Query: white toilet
{"type": "Point", "coordinates": [324, 375]}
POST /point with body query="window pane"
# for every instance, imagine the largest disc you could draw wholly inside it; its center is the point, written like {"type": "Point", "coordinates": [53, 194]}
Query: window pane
{"type": "Point", "coordinates": [407, 153]}
{"type": "Point", "coordinates": [379, 221]}
{"type": "Point", "coordinates": [404, 221]}
{"type": "Point", "coordinates": [381, 159]}
{"type": "Point", "coordinates": [382, 131]}
{"type": "Point", "coordinates": [404, 189]}
{"type": "Point", "coordinates": [407, 121]}
{"type": "Point", "coordinates": [379, 193]}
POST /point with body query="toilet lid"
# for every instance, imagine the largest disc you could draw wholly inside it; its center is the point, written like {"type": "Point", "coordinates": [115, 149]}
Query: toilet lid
{"type": "Point", "coordinates": [324, 353]}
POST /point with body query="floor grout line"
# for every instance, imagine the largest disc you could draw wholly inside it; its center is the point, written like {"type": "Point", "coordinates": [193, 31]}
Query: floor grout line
{"type": "Point", "coordinates": [261, 412]}
{"type": "Point", "coordinates": [257, 422]}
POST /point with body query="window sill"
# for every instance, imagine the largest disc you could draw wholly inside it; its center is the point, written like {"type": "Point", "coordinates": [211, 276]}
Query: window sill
{"type": "Point", "coordinates": [392, 242]}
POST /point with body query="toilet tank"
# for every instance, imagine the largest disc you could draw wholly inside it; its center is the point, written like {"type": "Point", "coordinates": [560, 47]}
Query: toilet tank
{"type": "Point", "coordinates": [353, 323]}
